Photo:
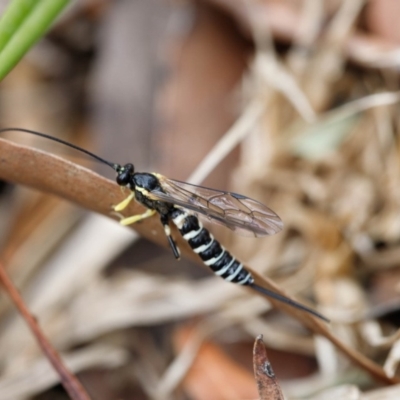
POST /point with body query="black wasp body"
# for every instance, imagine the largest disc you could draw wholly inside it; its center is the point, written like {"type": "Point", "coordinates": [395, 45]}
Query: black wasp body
{"type": "Point", "coordinates": [144, 187]}
{"type": "Point", "coordinates": [180, 203]}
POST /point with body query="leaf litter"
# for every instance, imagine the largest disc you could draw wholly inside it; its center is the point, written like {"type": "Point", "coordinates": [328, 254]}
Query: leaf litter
{"type": "Point", "coordinates": [320, 148]}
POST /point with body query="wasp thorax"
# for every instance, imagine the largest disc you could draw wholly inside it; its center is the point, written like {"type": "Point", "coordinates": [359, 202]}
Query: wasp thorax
{"type": "Point", "coordinates": [124, 174]}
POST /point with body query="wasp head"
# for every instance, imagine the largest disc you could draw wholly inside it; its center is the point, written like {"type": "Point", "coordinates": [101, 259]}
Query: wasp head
{"type": "Point", "coordinates": [124, 174]}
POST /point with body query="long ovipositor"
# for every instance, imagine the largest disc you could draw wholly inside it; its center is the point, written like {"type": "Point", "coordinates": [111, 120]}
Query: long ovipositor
{"type": "Point", "coordinates": [221, 262]}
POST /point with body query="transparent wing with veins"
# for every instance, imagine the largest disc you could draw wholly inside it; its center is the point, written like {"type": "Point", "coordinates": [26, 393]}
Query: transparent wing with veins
{"type": "Point", "coordinates": [243, 215]}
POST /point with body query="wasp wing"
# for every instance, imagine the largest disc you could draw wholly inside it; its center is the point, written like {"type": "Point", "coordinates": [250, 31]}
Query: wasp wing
{"type": "Point", "coordinates": [239, 213]}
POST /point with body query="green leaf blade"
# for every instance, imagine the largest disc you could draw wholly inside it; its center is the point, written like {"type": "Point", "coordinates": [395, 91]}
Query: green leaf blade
{"type": "Point", "coordinates": [23, 24]}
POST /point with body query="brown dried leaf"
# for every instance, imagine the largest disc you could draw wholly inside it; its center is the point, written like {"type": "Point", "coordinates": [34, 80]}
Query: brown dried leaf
{"type": "Point", "coordinates": [214, 375]}
{"type": "Point", "coordinates": [268, 386]}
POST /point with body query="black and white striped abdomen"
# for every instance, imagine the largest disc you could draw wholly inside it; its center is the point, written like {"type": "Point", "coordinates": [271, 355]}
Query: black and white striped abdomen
{"type": "Point", "coordinates": [211, 252]}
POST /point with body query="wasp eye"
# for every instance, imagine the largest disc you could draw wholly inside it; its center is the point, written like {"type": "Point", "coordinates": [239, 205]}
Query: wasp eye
{"type": "Point", "coordinates": [124, 174]}
{"type": "Point", "coordinates": [123, 178]}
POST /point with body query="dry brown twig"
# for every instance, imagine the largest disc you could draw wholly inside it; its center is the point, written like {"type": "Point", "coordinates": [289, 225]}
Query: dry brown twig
{"type": "Point", "coordinates": [43, 171]}
{"type": "Point", "coordinates": [68, 380]}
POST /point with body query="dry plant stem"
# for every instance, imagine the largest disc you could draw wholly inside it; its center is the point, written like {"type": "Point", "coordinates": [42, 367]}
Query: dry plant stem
{"type": "Point", "coordinates": [68, 380]}
{"type": "Point", "coordinates": [267, 384]}
{"type": "Point", "coordinates": [229, 141]}
{"type": "Point", "coordinates": [363, 49]}
{"type": "Point", "coordinates": [317, 326]}
{"type": "Point", "coordinates": [42, 171]}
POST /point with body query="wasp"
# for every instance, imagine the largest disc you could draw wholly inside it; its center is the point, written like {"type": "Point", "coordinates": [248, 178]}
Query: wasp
{"type": "Point", "coordinates": [180, 203]}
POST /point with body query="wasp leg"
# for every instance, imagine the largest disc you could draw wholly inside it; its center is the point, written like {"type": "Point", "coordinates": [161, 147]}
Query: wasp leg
{"type": "Point", "coordinates": [121, 206]}
{"type": "Point", "coordinates": [137, 218]}
{"type": "Point", "coordinates": [171, 241]}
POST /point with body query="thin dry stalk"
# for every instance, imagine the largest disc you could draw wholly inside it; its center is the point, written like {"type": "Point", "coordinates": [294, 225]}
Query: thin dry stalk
{"type": "Point", "coordinates": [68, 380]}
{"type": "Point", "coordinates": [366, 50]}
{"type": "Point", "coordinates": [229, 141]}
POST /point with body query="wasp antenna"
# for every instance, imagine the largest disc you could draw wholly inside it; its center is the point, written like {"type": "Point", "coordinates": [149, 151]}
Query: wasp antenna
{"type": "Point", "coordinates": [110, 164]}
{"type": "Point", "coordinates": [286, 300]}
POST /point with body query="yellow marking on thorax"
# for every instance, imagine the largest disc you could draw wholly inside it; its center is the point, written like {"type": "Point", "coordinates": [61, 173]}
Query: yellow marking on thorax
{"type": "Point", "coordinates": [142, 190]}
{"type": "Point", "coordinates": [146, 193]}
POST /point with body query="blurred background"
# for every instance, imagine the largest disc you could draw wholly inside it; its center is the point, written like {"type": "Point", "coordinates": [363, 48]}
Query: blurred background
{"type": "Point", "coordinates": [293, 103]}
